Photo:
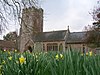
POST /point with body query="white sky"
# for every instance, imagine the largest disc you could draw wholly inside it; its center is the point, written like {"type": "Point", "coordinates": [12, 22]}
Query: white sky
{"type": "Point", "coordinates": [59, 14]}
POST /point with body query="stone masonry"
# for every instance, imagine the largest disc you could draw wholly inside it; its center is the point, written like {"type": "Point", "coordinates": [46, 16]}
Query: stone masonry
{"type": "Point", "coordinates": [31, 24]}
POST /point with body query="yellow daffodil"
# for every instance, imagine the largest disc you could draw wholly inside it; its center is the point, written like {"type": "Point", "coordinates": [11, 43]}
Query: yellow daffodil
{"type": "Point", "coordinates": [22, 59]}
{"type": "Point", "coordinates": [10, 58]}
{"type": "Point", "coordinates": [57, 56]}
{"type": "Point", "coordinates": [3, 62]}
{"type": "Point", "coordinates": [15, 50]}
{"type": "Point", "coordinates": [4, 50]}
{"type": "Point", "coordinates": [90, 53]}
{"type": "Point", "coordinates": [61, 56]}
{"type": "Point", "coordinates": [87, 53]}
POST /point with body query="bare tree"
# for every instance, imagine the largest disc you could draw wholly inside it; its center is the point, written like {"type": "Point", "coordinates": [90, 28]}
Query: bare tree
{"type": "Point", "coordinates": [11, 36]}
{"type": "Point", "coordinates": [96, 12]}
{"type": "Point", "coordinates": [11, 11]}
{"type": "Point", "coordinates": [93, 32]}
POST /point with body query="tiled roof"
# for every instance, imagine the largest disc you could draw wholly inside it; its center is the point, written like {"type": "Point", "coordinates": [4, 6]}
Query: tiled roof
{"type": "Point", "coordinates": [7, 44]}
{"type": "Point", "coordinates": [76, 37]}
{"type": "Point", "coordinates": [50, 36]}
{"type": "Point", "coordinates": [73, 37]}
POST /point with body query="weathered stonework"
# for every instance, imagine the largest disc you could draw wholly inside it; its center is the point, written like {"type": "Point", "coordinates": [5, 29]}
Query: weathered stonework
{"type": "Point", "coordinates": [31, 34]}
{"type": "Point", "coordinates": [31, 24]}
{"type": "Point", "coordinates": [38, 46]}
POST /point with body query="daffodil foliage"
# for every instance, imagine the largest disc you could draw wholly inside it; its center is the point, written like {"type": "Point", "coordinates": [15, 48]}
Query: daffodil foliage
{"type": "Point", "coordinates": [49, 63]}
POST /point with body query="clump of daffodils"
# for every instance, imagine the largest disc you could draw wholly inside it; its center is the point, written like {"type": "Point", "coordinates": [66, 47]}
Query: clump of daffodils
{"type": "Point", "coordinates": [22, 59]}
{"type": "Point", "coordinates": [59, 56]}
{"type": "Point", "coordinates": [10, 58]}
{"type": "Point", "coordinates": [87, 53]}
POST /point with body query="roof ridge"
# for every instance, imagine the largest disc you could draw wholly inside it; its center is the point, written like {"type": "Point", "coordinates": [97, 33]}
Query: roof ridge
{"type": "Point", "coordinates": [54, 31]}
{"type": "Point", "coordinates": [79, 32]}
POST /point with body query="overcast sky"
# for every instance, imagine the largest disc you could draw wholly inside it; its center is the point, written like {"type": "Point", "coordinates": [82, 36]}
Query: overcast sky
{"type": "Point", "coordinates": [58, 14]}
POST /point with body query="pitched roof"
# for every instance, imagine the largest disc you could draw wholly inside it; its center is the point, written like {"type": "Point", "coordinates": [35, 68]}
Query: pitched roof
{"type": "Point", "coordinates": [76, 37]}
{"type": "Point", "coordinates": [7, 44]}
{"type": "Point", "coordinates": [51, 36]}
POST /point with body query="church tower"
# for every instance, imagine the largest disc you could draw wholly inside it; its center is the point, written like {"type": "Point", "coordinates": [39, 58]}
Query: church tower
{"type": "Point", "coordinates": [31, 24]}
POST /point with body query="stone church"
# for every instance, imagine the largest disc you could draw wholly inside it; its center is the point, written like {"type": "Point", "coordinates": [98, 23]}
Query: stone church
{"type": "Point", "coordinates": [31, 34]}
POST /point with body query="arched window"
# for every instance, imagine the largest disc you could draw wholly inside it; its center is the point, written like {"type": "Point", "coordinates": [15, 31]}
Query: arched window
{"type": "Point", "coordinates": [52, 47]}
{"type": "Point", "coordinates": [61, 47]}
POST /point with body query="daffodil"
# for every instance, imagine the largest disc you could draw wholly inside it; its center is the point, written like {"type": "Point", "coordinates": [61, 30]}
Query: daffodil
{"type": "Point", "coordinates": [57, 56]}
{"type": "Point", "coordinates": [87, 53]}
{"type": "Point", "coordinates": [9, 53]}
{"type": "Point", "coordinates": [15, 50]}
{"type": "Point", "coordinates": [61, 56]}
{"type": "Point", "coordinates": [22, 59]}
{"type": "Point", "coordinates": [4, 50]}
{"type": "Point", "coordinates": [90, 53]}
{"type": "Point", "coordinates": [3, 62]}
{"type": "Point", "coordinates": [10, 58]}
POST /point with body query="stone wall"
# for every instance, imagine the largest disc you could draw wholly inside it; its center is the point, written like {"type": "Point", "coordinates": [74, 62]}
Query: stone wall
{"type": "Point", "coordinates": [38, 46]}
{"type": "Point", "coordinates": [31, 24]}
{"type": "Point", "coordinates": [75, 46]}
{"type": "Point", "coordinates": [78, 47]}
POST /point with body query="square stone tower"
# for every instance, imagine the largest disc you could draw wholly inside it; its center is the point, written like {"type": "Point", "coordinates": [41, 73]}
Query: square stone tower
{"type": "Point", "coordinates": [31, 24]}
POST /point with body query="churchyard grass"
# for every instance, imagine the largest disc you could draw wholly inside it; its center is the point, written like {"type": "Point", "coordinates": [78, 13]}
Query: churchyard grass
{"type": "Point", "coordinates": [49, 63]}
